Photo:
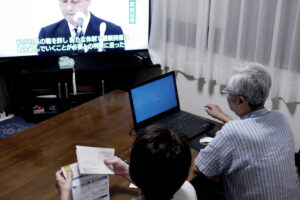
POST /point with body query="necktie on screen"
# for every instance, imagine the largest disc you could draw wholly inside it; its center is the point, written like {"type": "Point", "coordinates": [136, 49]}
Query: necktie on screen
{"type": "Point", "coordinates": [78, 31]}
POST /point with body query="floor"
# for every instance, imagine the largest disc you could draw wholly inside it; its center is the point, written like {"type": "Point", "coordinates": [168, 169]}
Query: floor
{"type": "Point", "coordinates": [12, 125]}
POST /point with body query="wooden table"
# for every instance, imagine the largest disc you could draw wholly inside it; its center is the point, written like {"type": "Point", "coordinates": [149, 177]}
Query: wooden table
{"type": "Point", "coordinates": [29, 159]}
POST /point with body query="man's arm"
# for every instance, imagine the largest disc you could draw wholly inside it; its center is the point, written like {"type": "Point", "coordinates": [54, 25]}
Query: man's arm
{"type": "Point", "coordinates": [216, 112]}
{"type": "Point", "coordinates": [213, 178]}
{"type": "Point", "coordinates": [216, 157]}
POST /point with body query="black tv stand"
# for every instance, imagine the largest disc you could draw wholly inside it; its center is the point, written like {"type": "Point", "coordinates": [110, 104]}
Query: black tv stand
{"type": "Point", "coordinates": [38, 93]}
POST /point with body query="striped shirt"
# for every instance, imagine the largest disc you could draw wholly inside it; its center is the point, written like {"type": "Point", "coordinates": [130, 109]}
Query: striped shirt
{"type": "Point", "coordinates": [255, 157]}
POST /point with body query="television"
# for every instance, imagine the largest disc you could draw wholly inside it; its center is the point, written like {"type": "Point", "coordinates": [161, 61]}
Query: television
{"type": "Point", "coordinates": [37, 28]}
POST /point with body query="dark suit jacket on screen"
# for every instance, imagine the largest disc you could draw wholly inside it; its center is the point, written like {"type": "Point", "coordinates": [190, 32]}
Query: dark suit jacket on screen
{"type": "Point", "coordinates": [61, 30]}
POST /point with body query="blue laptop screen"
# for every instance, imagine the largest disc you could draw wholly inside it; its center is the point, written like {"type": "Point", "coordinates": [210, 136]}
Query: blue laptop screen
{"type": "Point", "coordinates": [154, 98]}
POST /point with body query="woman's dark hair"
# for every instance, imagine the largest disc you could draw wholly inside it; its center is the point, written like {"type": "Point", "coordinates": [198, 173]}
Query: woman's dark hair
{"type": "Point", "coordinates": [159, 162]}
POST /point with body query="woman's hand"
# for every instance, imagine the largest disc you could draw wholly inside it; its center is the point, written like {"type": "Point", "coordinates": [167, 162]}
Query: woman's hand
{"type": "Point", "coordinates": [120, 167]}
{"type": "Point", "coordinates": [64, 185]}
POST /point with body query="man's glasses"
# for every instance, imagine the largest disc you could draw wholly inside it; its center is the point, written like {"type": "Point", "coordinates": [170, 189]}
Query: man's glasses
{"type": "Point", "coordinates": [224, 91]}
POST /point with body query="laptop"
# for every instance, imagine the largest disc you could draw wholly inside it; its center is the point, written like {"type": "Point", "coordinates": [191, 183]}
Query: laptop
{"type": "Point", "coordinates": [156, 101]}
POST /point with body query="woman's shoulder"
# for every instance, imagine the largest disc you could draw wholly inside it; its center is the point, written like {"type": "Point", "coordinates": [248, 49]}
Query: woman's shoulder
{"type": "Point", "coordinates": [186, 191]}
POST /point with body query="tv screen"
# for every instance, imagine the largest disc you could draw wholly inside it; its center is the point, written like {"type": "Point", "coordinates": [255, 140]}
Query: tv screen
{"type": "Point", "coordinates": [63, 27]}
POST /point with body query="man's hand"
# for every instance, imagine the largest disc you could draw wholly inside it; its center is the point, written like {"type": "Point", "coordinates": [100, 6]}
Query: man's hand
{"type": "Point", "coordinates": [64, 185]}
{"type": "Point", "coordinates": [216, 112]}
{"type": "Point", "coordinates": [120, 167]}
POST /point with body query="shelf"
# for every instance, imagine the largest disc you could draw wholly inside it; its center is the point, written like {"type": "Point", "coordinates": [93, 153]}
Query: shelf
{"type": "Point", "coordinates": [44, 113]}
{"type": "Point", "coordinates": [82, 93]}
{"type": "Point", "coordinates": [47, 96]}
{"type": "Point", "coordinates": [56, 87]}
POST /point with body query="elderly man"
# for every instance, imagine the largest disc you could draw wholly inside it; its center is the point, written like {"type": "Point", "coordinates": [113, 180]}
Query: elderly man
{"type": "Point", "coordinates": [253, 155]}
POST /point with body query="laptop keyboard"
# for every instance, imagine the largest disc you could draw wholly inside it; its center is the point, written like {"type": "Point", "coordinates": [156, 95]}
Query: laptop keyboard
{"type": "Point", "coordinates": [180, 121]}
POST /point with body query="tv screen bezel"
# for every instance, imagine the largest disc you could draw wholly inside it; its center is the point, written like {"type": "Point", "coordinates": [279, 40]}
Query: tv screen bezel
{"type": "Point", "coordinates": [4, 59]}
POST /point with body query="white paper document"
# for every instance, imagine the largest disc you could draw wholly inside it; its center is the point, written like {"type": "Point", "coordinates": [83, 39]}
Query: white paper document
{"type": "Point", "coordinates": [91, 160]}
{"type": "Point", "coordinates": [132, 186]}
{"type": "Point", "coordinates": [87, 187]}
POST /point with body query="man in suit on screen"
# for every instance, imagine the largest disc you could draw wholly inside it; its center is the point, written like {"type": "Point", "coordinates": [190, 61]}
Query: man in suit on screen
{"type": "Point", "coordinates": [79, 32]}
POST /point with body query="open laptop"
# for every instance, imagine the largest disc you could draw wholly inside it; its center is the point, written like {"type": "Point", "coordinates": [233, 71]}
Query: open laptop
{"type": "Point", "coordinates": [155, 101]}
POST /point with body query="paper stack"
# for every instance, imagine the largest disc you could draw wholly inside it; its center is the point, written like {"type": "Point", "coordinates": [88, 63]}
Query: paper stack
{"type": "Point", "coordinates": [91, 160]}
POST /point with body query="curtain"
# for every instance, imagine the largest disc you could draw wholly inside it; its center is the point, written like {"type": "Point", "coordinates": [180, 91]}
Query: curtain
{"type": "Point", "coordinates": [178, 36]}
{"type": "Point", "coordinates": [206, 38]}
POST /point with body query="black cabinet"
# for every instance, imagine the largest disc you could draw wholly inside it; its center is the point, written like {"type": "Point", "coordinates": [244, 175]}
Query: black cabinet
{"type": "Point", "coordinates": [48, 94]}
{"type": "Point", "coordinates": [40, 92]}
{"type": "Point", "coordinates": [39, 96]}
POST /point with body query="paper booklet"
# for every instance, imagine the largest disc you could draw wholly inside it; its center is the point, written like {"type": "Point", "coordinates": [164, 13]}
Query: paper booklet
{"type": "Point", "coordinates": [87, 187]}
{"type": "Point", "coordinates": [91, 160]}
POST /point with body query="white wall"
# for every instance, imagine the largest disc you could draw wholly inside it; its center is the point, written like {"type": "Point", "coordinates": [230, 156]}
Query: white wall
{"type": "Point", "coordinates": [195, 94]}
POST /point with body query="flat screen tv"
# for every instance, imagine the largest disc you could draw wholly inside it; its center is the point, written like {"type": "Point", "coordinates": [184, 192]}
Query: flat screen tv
{"type": "Point", "coordinates": [68, 27]}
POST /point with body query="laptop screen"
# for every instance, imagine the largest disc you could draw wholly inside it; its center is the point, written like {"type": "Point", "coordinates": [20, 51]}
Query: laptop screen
{"type": "Point", "coordinates": [154, 97]}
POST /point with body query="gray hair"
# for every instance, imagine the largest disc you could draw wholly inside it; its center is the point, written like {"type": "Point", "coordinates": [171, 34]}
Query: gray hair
{"type": "Point", "coordinates": [251, 81]}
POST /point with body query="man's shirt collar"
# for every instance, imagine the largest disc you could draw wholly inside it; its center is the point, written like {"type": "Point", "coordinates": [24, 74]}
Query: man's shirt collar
{"type": "Point", "coordinates": [255, 113]}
